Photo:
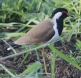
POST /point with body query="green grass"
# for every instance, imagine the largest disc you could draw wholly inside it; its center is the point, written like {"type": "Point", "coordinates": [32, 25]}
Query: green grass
{"type": "Point", "coordinates": [24, 14]}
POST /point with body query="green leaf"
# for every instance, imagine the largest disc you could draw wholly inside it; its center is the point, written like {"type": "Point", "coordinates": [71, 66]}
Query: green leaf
{"type": "Point", "coordinates": [33, 68]}
{"type": "Point", "coordinates": [24, 59]}
{"type": "Point", "coordinates": [64, 57]}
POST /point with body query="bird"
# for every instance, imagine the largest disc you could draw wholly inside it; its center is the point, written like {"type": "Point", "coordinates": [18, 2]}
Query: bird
{"type": "Point", "coordinates": [45, 32]}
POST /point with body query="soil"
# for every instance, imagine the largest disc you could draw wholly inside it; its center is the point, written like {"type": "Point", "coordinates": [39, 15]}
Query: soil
{"type": "Point", "coordinates": [62, 69]}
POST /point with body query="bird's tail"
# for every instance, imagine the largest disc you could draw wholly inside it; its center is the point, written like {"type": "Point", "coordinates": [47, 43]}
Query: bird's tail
{"type": "Point", "coordinates": [12, 45]}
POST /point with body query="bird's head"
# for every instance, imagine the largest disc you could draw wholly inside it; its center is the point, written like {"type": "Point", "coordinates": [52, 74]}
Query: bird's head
{"type": "Point", "coordinates": [60, 13]}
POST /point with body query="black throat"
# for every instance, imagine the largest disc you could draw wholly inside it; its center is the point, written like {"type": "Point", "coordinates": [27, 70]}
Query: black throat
{"type": "Point", "coordinates": [59, 25]}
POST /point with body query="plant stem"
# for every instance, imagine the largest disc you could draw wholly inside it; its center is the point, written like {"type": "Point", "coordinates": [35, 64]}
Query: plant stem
{"type": "Point", "coordinates": [53, 66]}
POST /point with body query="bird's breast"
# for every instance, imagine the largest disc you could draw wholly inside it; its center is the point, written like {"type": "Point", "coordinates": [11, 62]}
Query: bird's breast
{"type": "Point", "coordinates": [56, 35]}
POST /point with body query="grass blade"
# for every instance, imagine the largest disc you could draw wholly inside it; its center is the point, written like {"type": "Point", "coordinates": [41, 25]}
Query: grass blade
{"type": "Point", "coordinates": [64, 57]}
{"type": "Point", "coordinates": [34, 67]}
{"type": "Point", "coordinates": [53, 65]}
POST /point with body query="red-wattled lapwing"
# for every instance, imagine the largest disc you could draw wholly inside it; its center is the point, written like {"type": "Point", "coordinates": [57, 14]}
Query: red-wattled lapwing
{"type": "Point", "coordinates": [47, 31]}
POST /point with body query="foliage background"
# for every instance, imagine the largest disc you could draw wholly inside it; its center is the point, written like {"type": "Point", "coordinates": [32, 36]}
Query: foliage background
{"type": "Point", "coordinates": [23, 14]}
{"type": "Point", "coordinates": [19, 16]}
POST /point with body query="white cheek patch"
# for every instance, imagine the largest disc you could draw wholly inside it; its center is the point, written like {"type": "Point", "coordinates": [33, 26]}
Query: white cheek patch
{"type": "Point", "coordinates": [57, 15]}
{"type": "Point", "coordinates": [56, 36]}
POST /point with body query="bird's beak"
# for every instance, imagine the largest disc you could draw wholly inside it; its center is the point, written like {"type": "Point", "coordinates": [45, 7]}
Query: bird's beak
{"type": "Point", "coordinates": [68, 14]}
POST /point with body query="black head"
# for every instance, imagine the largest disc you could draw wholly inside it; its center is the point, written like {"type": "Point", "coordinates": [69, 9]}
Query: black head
{"type": "Point", "coordinates": [62, 10]}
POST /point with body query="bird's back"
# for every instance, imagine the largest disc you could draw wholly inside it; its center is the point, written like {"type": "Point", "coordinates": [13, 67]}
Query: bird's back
{"type": "Point", "coordinates": [37, 33]}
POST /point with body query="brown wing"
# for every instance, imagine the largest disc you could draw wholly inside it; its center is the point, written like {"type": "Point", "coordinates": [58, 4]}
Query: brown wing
{"type": "Point", "coordinates": [38, 34]}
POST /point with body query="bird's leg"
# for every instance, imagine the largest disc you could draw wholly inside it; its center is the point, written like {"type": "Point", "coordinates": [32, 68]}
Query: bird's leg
{"type": "Point", "coordinates": [42, 51]}
{"type": "Point", "coordinates": [29, 47]}
{"type": "Point", "coordinates": [48, 56]}
{"type": "Point", "coordinates": [37, 55]}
